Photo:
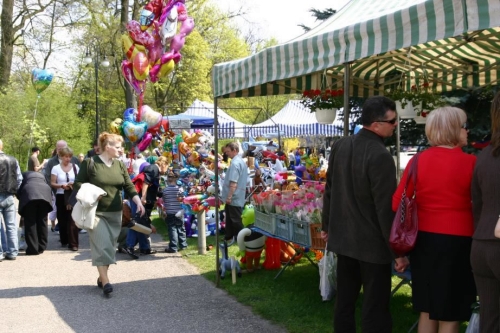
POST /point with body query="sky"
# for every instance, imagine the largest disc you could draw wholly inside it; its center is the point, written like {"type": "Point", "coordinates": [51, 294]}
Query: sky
{"type": "Point", "coordinates": [279, 18]}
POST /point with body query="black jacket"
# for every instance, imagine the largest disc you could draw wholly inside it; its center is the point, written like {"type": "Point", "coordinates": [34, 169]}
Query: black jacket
{"type": "Point", "coordinates": [34, 187]}
{"type": "Point", "coordinates": [8, 174]}
{"type": "Point", "coordinates": [357, 212]}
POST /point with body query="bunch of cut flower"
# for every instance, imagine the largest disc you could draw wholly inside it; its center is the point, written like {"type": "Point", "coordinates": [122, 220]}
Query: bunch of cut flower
{"type": "Point", "coordinates": [265, 202]}
{"type": "Point", "coordinates": [306, 204]}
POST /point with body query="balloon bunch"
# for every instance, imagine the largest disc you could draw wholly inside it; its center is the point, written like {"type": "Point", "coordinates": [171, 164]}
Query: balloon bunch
{"type": "Point", "coordinates": [152, 45]}
{"type": "Point", "coordinates": [140, 127]}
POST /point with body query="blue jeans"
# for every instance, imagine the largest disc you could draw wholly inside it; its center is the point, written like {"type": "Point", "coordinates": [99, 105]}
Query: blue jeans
{"type": "Point", "coordinates": [134, 237]}
{"type": "Point", "coordinates": [8, 211]}
{"type": "Point", "coordinates": [3, 237]}
{"type": "Point", "coordinates": [176, 232]}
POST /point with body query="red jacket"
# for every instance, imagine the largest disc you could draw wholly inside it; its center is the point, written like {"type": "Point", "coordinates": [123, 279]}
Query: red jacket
{"type": "Point", "coordinates": [138, 181]}
{"type": "Point", "coordinates": [443, 191]}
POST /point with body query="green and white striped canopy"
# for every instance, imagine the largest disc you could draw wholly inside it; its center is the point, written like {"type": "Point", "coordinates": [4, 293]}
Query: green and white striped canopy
{"type": "Point", "coordinates": [452, 44]}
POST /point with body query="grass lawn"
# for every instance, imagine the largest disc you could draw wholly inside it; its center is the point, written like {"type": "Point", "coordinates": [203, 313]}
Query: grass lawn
{"type": "Point", "coordinates": [293, 300]}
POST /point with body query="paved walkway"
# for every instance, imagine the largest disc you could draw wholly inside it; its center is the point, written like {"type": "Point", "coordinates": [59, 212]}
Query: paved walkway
{"type": "Point", "coordinates": [57, 292]}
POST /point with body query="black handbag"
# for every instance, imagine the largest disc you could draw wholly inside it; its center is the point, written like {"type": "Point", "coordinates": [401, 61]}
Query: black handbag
{"type": "Point", "coordinates": [72, 196]}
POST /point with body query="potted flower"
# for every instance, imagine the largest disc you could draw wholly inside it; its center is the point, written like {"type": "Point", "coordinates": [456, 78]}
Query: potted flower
{"type": "Point", "coordinates": [416, 102]}
{"type": "Point", "coordinates": [324, 103]}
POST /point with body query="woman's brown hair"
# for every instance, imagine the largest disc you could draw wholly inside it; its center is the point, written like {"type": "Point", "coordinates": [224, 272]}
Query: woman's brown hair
{"type": "Point", "coordinates": [495, 125]}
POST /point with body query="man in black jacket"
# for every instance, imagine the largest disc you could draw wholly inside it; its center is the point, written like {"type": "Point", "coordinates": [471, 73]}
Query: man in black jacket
{"type": "Point", "coordinates": [10, 180]}
{"type": "Point", "coordinates": [357, 218]}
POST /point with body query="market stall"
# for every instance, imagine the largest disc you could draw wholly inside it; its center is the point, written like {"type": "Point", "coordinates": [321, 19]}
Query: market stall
{"type": "Point", "coordinates": [369, 47]}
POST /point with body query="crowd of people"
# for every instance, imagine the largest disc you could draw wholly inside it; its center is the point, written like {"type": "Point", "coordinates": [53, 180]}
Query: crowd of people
{"type": "Point", "coordinates": [454, 259]}
{"type": "Point", "coordinates": [45, 191]}
{"type": "Point", "coordinates": [455, 256]}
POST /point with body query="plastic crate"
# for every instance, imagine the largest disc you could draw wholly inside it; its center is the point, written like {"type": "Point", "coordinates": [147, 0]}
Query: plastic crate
{"type": "Point", "coordinates": [266, 222]}
{"type": "Point", "coordinates": [283, 226]}
{"type": "Point", "coordinates": [316, 241]}
{"type": "Point", "coordinates": [301, 232]}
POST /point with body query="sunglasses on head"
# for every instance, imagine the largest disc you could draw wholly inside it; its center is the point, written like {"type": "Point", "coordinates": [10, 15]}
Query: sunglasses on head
{"type": "Point", "coordinates": [392, 121]}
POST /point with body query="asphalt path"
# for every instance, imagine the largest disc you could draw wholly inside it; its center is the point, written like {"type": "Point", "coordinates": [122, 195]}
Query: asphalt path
{"type": "Point", "coordinates": [57, 292]}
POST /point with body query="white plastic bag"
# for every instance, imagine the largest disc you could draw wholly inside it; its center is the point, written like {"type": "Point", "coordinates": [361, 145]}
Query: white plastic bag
{"type": "Point", "coordinates": [328, 276]}
{"type": "Point", "coordinates": [473, 326]}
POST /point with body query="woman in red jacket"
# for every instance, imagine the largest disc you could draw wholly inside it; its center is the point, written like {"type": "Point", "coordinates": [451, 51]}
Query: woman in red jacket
{"type": "Point", "coordinates": [442, 283]}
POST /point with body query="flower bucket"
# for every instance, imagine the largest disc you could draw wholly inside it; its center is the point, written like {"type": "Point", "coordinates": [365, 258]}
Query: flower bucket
{"type": "Point", "coordinates": [420, 120]}
{"type": "Point", "coordinates": [326, 116]}
{"type": "Point", "coordinates": [408, 112]}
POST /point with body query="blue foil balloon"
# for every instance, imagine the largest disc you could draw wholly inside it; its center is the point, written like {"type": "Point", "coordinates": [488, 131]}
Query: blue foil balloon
{"type": "Point", "coordinates": [41, 79]}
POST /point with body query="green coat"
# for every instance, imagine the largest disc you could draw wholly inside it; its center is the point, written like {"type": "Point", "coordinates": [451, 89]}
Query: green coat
{"type": "Point", "coordinates": [112, 179]}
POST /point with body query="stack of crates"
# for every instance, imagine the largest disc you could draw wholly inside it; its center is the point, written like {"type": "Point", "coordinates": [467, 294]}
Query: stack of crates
{"type": "Point", "coordinates": [266, 222]}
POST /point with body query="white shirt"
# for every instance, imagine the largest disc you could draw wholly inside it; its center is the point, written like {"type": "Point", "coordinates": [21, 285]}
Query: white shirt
{"type": "Point", "coordinates": [62, 178]}
{"type": "Point", "coordinates": [136, 164]}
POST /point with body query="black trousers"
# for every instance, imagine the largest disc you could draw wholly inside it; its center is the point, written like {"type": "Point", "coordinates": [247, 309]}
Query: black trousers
{"type": "Point", "coordinates": [68, 231]}
{"type": "Point", "coordinates": [352, 274]}
{"type": "Point", "coordinates": [234, 224]}
{"type": "Point", "coordinates": [35, 227]}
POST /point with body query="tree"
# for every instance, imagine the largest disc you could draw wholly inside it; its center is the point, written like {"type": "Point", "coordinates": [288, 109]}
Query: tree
{"type": "Point", "coordinates": [320, 15]}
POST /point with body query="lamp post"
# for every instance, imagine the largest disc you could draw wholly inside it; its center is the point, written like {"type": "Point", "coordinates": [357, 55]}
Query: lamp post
{"type": "Point", "coordinates": [104, 63]}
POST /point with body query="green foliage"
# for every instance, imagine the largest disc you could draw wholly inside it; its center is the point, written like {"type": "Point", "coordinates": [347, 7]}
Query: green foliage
{"type": "Point", "coordinates": [55, 120]}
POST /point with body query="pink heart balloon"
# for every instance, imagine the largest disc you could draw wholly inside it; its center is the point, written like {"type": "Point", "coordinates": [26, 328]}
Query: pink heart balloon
{"type": "Point", "coordinates": [141, 66]}
{"type": "Point", "coordinates": [177, 42]}
{"type": "Point", "coordinates": [145, 142]}
{"type": "Point", "coordinates": [187, 26]}
{"type": "Point", "coordinates": [128, 74]}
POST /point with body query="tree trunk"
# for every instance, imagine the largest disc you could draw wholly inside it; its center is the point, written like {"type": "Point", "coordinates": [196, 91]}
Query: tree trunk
{"type": "Point", "coordinates": [6, 42]}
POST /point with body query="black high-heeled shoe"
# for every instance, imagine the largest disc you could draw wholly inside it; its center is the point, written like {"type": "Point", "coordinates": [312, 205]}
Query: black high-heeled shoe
{"type": "Point", "coordinates": [107, 289]}
{"type": "Point", "coordinates": [99, 283]}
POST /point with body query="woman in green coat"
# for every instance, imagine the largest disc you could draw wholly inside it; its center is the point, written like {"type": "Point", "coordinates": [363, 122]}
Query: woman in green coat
{"type": "Point", "coordinates": [108, 173]}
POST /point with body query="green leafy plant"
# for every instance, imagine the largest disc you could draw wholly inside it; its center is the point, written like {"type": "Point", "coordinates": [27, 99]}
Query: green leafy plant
{"type": "Point", "coordinates": [323, 99]}
{"type": "Point", "coordinates": [421, 96]}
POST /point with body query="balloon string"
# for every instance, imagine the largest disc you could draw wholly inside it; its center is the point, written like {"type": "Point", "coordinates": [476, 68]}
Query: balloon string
{"type": "Point", "coordinates": [141, 100]}
{"type": "Point", "coordinates": [31, 130]}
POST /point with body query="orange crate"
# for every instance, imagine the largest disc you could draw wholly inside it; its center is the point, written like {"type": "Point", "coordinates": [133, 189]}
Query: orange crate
{"type": "Point", "coordinates": [316, 241]}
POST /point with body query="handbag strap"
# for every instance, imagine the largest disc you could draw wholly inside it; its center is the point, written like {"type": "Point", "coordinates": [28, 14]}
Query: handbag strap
{"type": "Point", "coordinates": [412, 173]}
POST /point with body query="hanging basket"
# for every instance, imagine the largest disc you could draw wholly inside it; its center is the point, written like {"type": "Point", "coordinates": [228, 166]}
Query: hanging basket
{"type": "Point", "coordinates": [326, 116]}
{"type": "Point", "coordinates": [409, 111]}
{"type": "Point", "coordinates": [422, 118]}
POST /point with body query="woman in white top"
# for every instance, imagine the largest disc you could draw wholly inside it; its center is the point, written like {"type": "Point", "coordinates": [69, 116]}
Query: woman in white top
{"type": "Point", "coordinates": [62, 178]}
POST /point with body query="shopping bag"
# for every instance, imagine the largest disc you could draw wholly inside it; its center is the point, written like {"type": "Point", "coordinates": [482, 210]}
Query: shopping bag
{"type": "Point", "coordinates": [473, 326]}
{"type": "Point", "coordinates": [327, 276]}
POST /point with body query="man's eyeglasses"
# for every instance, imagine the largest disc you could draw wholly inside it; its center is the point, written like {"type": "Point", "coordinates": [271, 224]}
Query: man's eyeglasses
{"type": "Point", "coordinates": [392, 121]}
{"type": "Point", "coordinates": [465, 126]}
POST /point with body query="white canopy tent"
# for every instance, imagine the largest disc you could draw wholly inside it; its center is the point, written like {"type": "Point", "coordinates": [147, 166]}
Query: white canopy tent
{"type": "Point", "coordinates": [293, 120]}
{"type": "Point", "coordinates": [228, 126]}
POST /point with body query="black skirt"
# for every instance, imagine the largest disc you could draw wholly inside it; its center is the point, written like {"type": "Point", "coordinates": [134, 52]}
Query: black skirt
{"type": "Point", "coordinates": [442, 280]}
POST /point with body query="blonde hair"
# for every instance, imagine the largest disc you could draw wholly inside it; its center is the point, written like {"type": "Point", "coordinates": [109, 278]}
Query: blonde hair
{"type": "Point", "coordinates": [108, 139]}
{"type": "Point", "coordinates": [443, 126]}
{"type": "Point", "coordinates": [66, 151]}
{"type": "Point", "coordinates": [162, 160]}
